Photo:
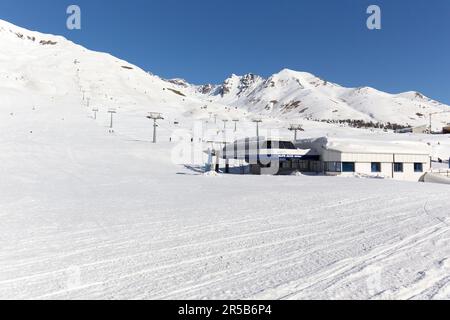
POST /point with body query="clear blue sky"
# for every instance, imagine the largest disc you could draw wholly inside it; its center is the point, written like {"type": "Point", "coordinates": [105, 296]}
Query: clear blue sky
{"type": "Point", "coordinates": [204, 41]}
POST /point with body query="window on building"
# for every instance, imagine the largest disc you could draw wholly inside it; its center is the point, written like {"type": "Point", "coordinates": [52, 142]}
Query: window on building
{"type": "Point", "coordinates": [376, 167]}
{"type": "Point", "coordinates": [295, 164]}
{"type": "Point", "coordinates": [303, 165]}
{"type": "Point", "coordinates": [333, 166]}
{"type": "Point", "coordinates": [315, 166]}
{"type": "Point", "coordinates": [418, 167]}
{"type": "Point", "coordinates": [348, 167]}
{"type": "Point", "coordinates": [398, 167]}
{"type": "Point", "coordinates": [286, 165]}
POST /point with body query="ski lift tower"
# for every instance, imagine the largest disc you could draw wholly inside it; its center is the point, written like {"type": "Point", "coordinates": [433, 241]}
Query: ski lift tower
{"type": "Point", "coordinates": [225, 124]}
{"type": "Point", "coordinates": [155, 116]}
{"type": "Point", "coordinates": [257, 121]}
{"type": "Point", "coordinates": [112, 111]}
{"type": "Point", "coordinates": [295, 128]}
{"type": "Point", "coordinates": [235, 124]}
{"type": "Point", "coordinates": [95, 110]}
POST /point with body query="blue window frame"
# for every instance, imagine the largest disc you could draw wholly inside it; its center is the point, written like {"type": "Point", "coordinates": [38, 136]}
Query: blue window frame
{"type": "Point", "coordinates": [348, 167]}
{"type": "Point", "coordinates": [398, 167]}
{"type": "Point", "coordinates": [376, 167]}
{"type": "Point", "coordinates": [418, 167]}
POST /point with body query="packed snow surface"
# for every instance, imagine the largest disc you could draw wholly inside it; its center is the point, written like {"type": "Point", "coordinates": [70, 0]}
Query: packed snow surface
{"type": "Point", "coordinates": [92, 213]}
{"type": "Point", "coordinates": [116, 224]}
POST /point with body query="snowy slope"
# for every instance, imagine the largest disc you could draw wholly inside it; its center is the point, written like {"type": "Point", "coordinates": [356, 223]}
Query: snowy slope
{"type": "Point", "coordinates": [290, 94]}
{"type": "Point", "coordinates": [46, 68]}
{"type": "Point", "coordinates": [43, 70]}
{"type": "Point", "coordinates": [89, 214]}
{"type": "Point", "coordinates": [118, 232]}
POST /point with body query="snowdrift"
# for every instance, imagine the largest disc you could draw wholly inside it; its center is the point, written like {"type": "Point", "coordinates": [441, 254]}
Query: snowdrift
{"type": "Point", "coordinates": [436, 178]}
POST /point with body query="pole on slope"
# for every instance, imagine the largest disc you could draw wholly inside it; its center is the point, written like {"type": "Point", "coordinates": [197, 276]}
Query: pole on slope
{"type": "Point", "coordinates": [112, 111]}
{"type": "Point", "coordinates": [155, 116]}
{"type": "Point", "coordinates": [95, 110]}
{"type": "Point", "coordinates": [210, 159]}
{"type": "Point", "coordinates": [225, 124]}
{"type": "Point", "coordinates": [295, 128]}
{"type": "Point", "coordinates": [431, 123]}
{"type": "Point", "coordinates": [257, 121]}
{"type": "Point", "coordinates": [235, 124]}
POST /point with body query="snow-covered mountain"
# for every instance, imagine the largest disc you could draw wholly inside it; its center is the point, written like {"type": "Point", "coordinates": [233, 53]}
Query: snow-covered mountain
{"type": "Point", "coordinates": [290, 94]}
{"type": "Point", "coordinates": [44, 69]}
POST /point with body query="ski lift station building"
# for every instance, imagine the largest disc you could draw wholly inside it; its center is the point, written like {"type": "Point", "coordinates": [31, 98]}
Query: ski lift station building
{"type": "Point", "coordinates": [402, 160]}
{"type": "Point", "coordinates": [271, 156]}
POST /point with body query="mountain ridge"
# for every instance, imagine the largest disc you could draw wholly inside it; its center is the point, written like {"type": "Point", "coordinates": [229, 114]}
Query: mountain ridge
{"type": "Point", "coordinates": [46, 64]}
{"type": "Point", "coordinates": [292, 93]}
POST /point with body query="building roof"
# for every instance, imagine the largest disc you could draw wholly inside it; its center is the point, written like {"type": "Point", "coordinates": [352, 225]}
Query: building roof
{"type": "Point", "coordinates": [368, 146]}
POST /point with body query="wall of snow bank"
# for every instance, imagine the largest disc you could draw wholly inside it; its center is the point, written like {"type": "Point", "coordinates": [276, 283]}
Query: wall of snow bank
{"type": "Point", "coordinates": [436, 178]}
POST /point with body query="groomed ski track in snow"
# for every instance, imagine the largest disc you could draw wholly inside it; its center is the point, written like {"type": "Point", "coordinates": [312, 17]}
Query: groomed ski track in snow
{"type": "Point", "coordinates": [119, 228]}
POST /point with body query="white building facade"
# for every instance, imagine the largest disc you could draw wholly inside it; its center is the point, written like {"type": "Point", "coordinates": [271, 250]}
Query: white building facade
{"type": "Point", "coordinates": [409, 167]}
{"type": "Point", "coordinates": [408, 161]}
